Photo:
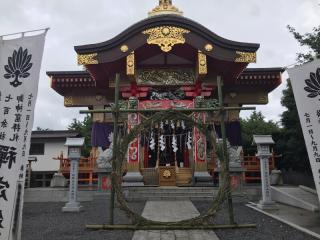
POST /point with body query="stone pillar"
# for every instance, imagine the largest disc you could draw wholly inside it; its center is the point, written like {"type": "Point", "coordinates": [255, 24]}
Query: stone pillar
{"type": "Point", "coordinates": [266, 202]}
{"type": "Point", "coordinates": [104, 179]}
{"type": "Point", "coordinates": [73, 205]}
{"type": "Point", "coordinates": [263, 145]}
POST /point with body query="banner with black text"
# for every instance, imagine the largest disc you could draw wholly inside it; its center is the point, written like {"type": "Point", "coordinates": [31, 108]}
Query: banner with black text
{"type": "Point", "coordinates": [305, 81]}
{"type": "Point", "coordinates": [20, 61]}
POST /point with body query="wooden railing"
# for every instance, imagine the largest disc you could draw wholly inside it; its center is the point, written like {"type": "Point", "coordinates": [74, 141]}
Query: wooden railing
{"type": "Point", "coordinates": [251, 164]}
{"type": "Point", "coordinates": [86, 169]}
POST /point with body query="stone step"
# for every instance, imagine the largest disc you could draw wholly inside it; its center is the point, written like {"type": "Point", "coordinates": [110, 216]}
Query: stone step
{"type": "Point", "coordinates": [297, 197]}
{"type": "Point", "coordinates": [176, 193]}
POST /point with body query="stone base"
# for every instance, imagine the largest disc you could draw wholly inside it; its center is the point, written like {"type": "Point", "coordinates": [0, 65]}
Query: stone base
{"type": "Point", "coordinates": [58, 180]}
{"type": "Point", "coordinates": [276, 177]}
{"type": "Point", "coordinates": [72, 207]}
{"type": "Point", "coordinates": [104, 179]}
{"type": "Point", "coordinates": [235, 172]}
{"type": "Point", "coordinates": [267, 205]}
{"type": "Point", "coordinates": [203, 179]}
{"type": "Point", "coordinates": [133, 179]}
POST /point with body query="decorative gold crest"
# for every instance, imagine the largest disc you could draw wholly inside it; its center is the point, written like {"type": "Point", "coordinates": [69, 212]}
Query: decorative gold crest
{"type": "Point", "coordinates": [131, 64]}
{"type": "Point", "coordinates": [202, 63]}
{"type": "Point", "coordinates": [246, 57]}
{"type": "Point", "coordinates": [208, 47]}
{"type": "Point", "coordinates": [166, 37]}
{"type": "Point", "coordinates": [68, 101]}
{"type": "Point", "coordinates": [124, 48]}
{"type": "Point", "coordinates": [86, 59]}
{"type": "Point", "coordinates": [263, 99]}
{"type": "Point", "coordinates": [166, 174]}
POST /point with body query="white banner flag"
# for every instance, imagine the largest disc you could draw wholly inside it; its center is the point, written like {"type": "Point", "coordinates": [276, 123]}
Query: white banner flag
{"type": "Point", "coordinates": [305, 82]}
{"type": "Point", "coordinates": [20, 61]}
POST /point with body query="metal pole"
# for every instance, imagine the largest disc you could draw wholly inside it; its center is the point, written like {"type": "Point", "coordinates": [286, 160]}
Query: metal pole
{"type": "Point", "coordinates": [29, 174]}
{"type": "Point", "coordinates": [225, 148]}
{"type": "Point", "coordinates": [115, 145]}
{"type": "Point", "coordinates": [187, 110]}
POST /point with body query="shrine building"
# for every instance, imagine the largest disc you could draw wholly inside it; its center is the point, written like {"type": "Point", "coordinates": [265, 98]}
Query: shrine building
{"type": "Point", "coordinates": [166, 61]}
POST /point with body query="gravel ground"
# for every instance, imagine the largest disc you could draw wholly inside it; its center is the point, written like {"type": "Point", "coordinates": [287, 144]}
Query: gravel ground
{"type": "Point", "coordinates": [267, 227]}
{"type": "Point", "coordinates": [46, 221]}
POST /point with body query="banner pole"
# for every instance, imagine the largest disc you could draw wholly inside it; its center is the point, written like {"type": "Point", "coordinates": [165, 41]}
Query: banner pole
{"type": "Point", "coordinates": [24, 32]}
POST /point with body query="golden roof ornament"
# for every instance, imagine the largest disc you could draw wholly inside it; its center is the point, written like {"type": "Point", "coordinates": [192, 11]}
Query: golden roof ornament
{"type": "Point", "coordinates": [165, 7]}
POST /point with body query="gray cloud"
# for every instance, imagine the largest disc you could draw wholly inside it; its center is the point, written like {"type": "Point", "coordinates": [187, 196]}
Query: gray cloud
{"type": "Point", "coordinates": [76, 22]}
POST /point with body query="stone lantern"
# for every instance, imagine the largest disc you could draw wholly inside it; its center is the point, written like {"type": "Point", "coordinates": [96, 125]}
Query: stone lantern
{"type": "Point", "coordinates": [263, 143]}
{"type": "Point", "coordinates": [74, 154]}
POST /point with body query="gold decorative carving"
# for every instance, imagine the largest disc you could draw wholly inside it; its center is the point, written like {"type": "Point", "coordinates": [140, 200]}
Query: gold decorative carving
{"type": "Point", "coordinates": [246, 57]}
{"type": "Point", "coordinates": [202, 63]}
{"type": "Point", "coordinates": [161, 77]}
{"type": "Point", "coordinates": [166, 36]}
{"type": "Point", "coordinates": [165, 7]}
{"type": "Point", "coordinates": [263, 99]}
{"type": "Point", "coordinates": [208, 47]}
{"type": "Point", "coordinates": [86, 59]}
{"type": "Point", "coordinates": [166, 174]}
{"type": "Point", "coordinates": [68, 101]}
{"type": "Point", "coordinates": [124, 48]}
{"type": "Point", "coordinates": [131, 64]}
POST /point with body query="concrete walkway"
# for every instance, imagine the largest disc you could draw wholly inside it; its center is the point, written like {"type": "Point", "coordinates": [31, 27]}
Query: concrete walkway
{"type": "Point", "coordinates": [168, 211]}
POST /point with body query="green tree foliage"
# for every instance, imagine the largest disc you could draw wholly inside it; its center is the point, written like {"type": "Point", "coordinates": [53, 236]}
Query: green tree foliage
{"type": "Point", "coordinates": [310, 40]}
{"type": "Point", "coordinates": [84, 129]}
{"type": "Point", "coordinates": [292, 142]}
{"type": "Point", "coordinates": [256, 125]}
{"type": "Point", "coordinates": [42, 129]}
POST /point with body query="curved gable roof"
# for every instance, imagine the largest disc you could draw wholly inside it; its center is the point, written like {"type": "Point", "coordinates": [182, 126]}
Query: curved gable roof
{"type": "Point", "coordinates": [163, 20]}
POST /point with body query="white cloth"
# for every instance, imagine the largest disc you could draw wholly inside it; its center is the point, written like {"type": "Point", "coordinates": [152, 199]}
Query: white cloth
{"type": "Point", "coordinates": [20, 61]}
{"type": "Point", "coordinates": [305, 82]}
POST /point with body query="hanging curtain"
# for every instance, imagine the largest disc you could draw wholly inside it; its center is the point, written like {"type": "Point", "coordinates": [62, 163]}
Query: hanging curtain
{"type": "Point", "coordinates": [233, 130]}
{"type": "Point", "coordinates": [100, 134]}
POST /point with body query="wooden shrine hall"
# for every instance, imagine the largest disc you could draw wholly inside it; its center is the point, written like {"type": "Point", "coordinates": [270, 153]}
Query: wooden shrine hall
{"type": "Point", "coordinates": [166, 61]}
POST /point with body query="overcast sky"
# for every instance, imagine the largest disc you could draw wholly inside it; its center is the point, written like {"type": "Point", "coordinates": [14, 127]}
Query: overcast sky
{"type": "Point", "coordinates": [77, 22]}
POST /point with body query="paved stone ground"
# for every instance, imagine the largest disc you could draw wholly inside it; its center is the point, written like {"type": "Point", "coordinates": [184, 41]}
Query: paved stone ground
{"type": "Point", "coordinates": [172, 211]}
{"type": "Point", "coordinates": [45, 221]}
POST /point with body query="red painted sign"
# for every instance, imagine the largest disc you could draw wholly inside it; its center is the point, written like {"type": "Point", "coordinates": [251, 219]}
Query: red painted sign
{"type": "Point", "coordinates": [133, 149]}
{"type": "Point", "coordinates": [200, 142]}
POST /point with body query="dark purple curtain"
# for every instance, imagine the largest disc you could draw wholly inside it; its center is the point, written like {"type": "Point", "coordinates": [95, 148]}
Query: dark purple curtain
{"type": "Point", "coordinates": [100, 134]}
{"type": "Point", "coordinates": [233, 130]}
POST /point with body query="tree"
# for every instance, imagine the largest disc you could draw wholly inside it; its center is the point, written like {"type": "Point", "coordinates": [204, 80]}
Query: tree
{"type": "Point", "coordinates": [310, 40]}
{"type": "Point", "coordinates": [84, 129]}
{"type": "Point", "coordinates": [255, 125]}
{"type": "Point", "coordinates": [292, 142]}
{"type": "Point", "coordinates": [42, 129]}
